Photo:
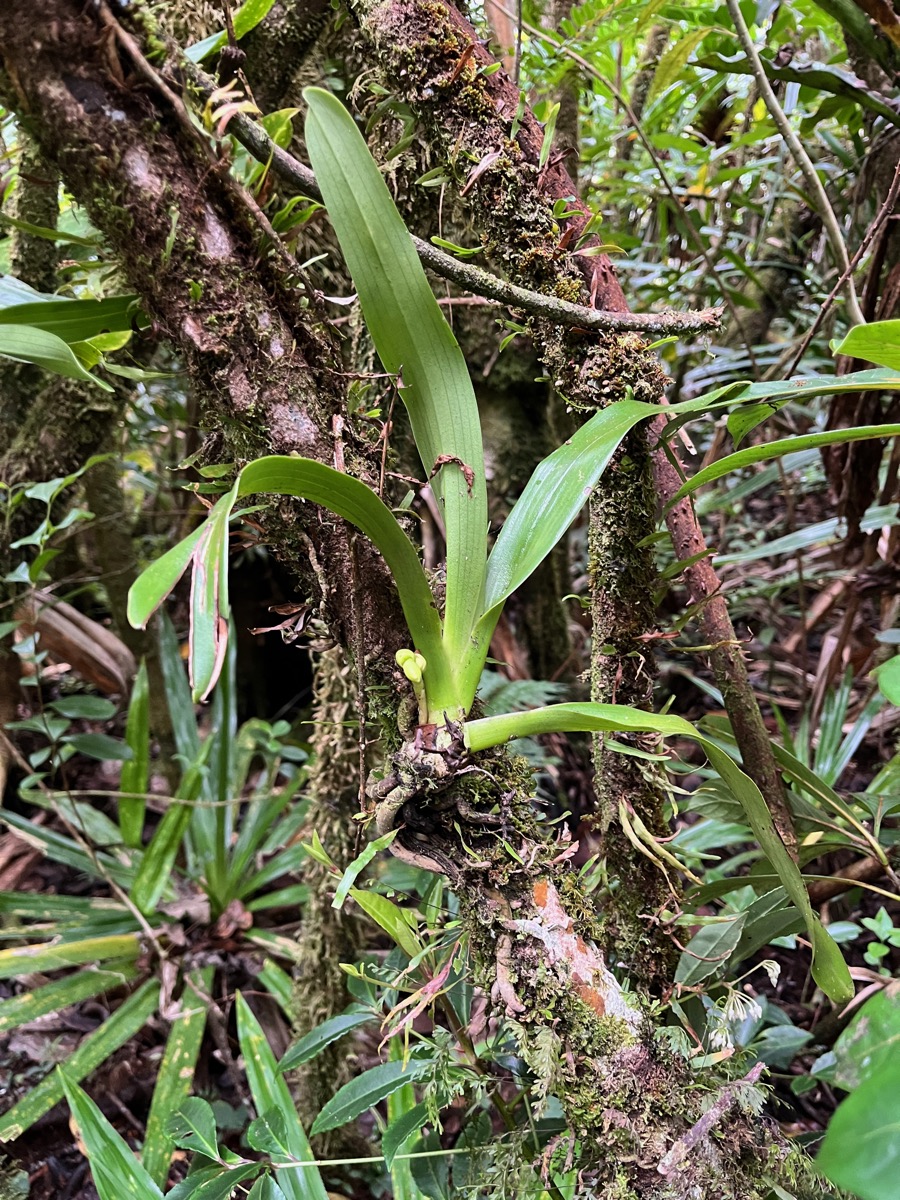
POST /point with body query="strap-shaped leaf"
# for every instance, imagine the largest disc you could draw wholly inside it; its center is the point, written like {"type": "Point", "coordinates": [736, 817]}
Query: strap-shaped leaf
{"type": "Point", "coordinates": [310, 480]}
{"type": "Point", "coordinates": [269, 1091]}
{"type": "Point", "coordinates": [414, 343]}
{"type": "Point", "coordinates": [762, 453]}
{"type": "Point", "coordinates": [24, 343]}
{"type": "Point", "coordinates": [553, 497]}
{"type": "Point", "coordinates": [72, 320]}
{"type": "Point", "coordinates": [829, 969]}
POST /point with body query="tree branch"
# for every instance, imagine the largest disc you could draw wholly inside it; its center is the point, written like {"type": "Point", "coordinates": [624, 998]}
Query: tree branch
{"type": "Point", "coordinates": [257, 142]}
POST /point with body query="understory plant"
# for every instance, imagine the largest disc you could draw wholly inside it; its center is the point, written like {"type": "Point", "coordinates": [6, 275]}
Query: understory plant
{"type": "Point", "coordinates": [207, 874]}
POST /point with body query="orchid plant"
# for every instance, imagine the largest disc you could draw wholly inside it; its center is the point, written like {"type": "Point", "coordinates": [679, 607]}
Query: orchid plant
{"type": "Point", "coordinates": [449, 647]}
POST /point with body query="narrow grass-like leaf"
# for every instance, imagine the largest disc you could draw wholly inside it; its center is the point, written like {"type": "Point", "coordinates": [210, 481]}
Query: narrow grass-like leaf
{"type": "Point", "coordinates": [60, 848]}
{"type": "Point", "coordinates": [56, 956]}
{"type": "Point", "coordinates": [829, 969]}
{"type": "Point", "coordinates": [269, 1091]}
{"type": "Point", "coordinates": [24, 343]}
{"type": "Point", "coordinates": [53, 997]}
{"type": "Point", "coordinates": [762, 453]}
{"type": "Point", "coordinates": [366, 1090]}
{"type": "Point", "coordinates": [279, 984]}
{"type": "Point", "coordinates": [178, 694]}
{"type": "Point", "coordinates": [94, 1050]}
{"type": "Point", "coordinates": [159, 857]}
{"type": "Point", "coordinates": [136, 770]}
{"type": "Point", "coordinates": [415, 343]}
{"type": "Point", "coordinates": [176, 1073]}
{"type": "Point", "coordinates": [323, 1035]}
{"type": "Point", "coordinates": [117, 1173]}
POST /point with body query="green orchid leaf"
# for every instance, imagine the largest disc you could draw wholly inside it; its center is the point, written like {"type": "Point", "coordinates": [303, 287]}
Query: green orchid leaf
{"type": "Point", "coordinates": [553, 497]}
{"type": "Point", "coordinates": [877, 342]}
{"type": "Point", "coordinates": [247, 17]}
{"type": "Point", "coordinates": [415, 343]}
{"type": "Point", "coordinates": [73, 320]}
{"type": "Point", "coordinates": [829, 969]}
{"type": "Point", "coordinates": [310, 480]}
{"type": "Point", "coordinates": [756, 402]}
{"type": "Point", "coordinates": [25, 343]}
{"type": "Point", "coordinates": [768, 450]}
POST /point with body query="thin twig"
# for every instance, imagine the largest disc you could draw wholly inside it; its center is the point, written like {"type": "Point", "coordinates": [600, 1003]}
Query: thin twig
{"type": "Point", "coordinates": [803, 161]}
{"type": "Point", "coordinates": [256, 141]}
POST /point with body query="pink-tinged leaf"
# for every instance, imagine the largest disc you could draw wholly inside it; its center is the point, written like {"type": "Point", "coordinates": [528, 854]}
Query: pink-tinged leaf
{"type": "Point", "coordinates": [424, 996]}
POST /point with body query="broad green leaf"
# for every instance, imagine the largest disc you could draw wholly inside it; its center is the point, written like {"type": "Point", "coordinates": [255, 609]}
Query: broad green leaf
{"type": "Point", "coordinates": [117, 1173]}
{"type": "Point", "coordinates": [247, 17]}
{"type": "Point", "coordinates": [878, 342]}
{"type": "Point", "coordinates": [349, 498]}
{"type": "Point", "coordinates": [358, 865]}
{"type": "Point", "coordinates": [56, 956]}
{"type": "Point", "coordinates": [430, 1168]}
{"type": "Point", "coordinates": [266, 1188]}
{"type": "Point", "coordinates": [323, 1035]}
{"type": "Point", "coordinates": [401, 1130]}
{"type": "Point", "coordinates": [87, 708]}
{"type": "Point", "coordinates": [768, 917]}
{"type": "Point", "coordinates": [415, 343]}
{"type": "Point", "coordinates": [762, 453]}
{"type": "Point", "coordinates": [176, 1073]}
{"type": "Point", "coordinates": [861, 1151]}
{"type": "Point", "coordinates": [269, 1091]}
{"type": "Point", "coordinates": [708, 951]}
{"type": "Point", "coordinates": [100, 746]}
{"type": "Point", "coordinates": [828, 967]}
{"type": "Point", "coordinates": [73, 320]}
{"type": "Point", "coordinates": [193, 1127]}
{"type": "Point", "coordinates": [24, 343]}
{"type": "Point", "coordinates": [84, 985]}
{"type": "Point", "coordinates": [391, 919]}
{"type": "Point", "coordinates": [871, 1041]}
{"type": "Point", "coordinates": [888, 676]}
{"type": "Point", "coordinates": [367, 1090]}
{"type": "Point", "coordinates": [135, 775]}
{"type": "Point", "coordinates": [96, 1048]}
{"type": "Point", "coordinates": [213, 1183]}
